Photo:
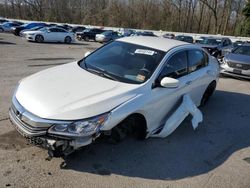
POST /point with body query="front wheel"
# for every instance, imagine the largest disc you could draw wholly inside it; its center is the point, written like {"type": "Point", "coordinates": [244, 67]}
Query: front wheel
{"type": "Point", "coordinates": [39, 38]}
{"type": "Point", "coordinates": [67, 40]}
{"type": "Point", "coordinates": [208, 93]}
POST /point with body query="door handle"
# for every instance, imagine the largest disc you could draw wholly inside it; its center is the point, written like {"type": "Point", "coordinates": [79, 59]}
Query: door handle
{"type": "Point", "coordinates": [189, 82]}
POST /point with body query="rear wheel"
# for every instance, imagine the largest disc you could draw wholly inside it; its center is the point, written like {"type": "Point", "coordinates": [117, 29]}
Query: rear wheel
{"type": "Point", "coordinates": [39, 38]}
{"type": "Point", "coordinates": [86, 38]}
{"type": "Point", "coordinates": [1, 29]}
{"type": "Point", "coordinates": [68, 40]}
{"type": "Point", "coordinates": [208, 93]}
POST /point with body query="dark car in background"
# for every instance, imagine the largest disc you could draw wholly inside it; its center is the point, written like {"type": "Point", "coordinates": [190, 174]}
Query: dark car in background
{"type": "Point", "coordinates": [238, 43]}
{"type": "Point", "coordinates": [185, 38]}
{"type": "Point", "coordinates": [237, 62]}
{"type": "Point", "coordinates": [2, 20]}
{"type": "Point", "coordinates": [89, 34]}
{"type": "Point", "coordinates": [145, 33]}
{"type": "Point", "coordinates": [78, 29]}
{"type": "Point", "coordinates": [16, 30]}
{"type": "Point", "coordinates": [64, 26]}
{"type": "Point", "coordinates": [216, 46]}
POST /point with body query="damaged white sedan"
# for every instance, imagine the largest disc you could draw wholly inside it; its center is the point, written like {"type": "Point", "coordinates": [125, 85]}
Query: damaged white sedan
{"type": "Point", "coordinates": [143, 86]}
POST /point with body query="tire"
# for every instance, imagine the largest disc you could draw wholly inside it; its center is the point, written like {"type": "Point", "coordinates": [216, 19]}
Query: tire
{"type": "Point", "coordinates": [68, 40]}
{"type": "Point", "coordinates": [1, 30]}
{"type": "Point", "coordinates": [134, 126]}
{"type": "Point", "coordinates": [86, 38]}
{"type": "Point", "coordinates": [208, 93]}
{"type": "Point", "coordinates": [39, 38]}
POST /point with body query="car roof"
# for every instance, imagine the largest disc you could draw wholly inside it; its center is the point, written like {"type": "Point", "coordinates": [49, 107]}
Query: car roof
{"type": "Point", "coordinates": [158, 43]}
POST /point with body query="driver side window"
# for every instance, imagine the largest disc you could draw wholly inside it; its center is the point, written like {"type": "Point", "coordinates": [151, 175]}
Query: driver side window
{"type": "Point", "coordinates": [176, 66]}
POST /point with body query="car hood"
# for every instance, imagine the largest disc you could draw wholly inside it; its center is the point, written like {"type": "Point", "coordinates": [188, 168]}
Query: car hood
{"type": "Point", "coordinates": [68, 92]}
{"type": "Point", "coordinates": [237, 58]}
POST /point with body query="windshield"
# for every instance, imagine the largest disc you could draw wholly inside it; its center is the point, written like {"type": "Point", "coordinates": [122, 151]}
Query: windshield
{"type": "Point", "coordinates": [243, 50]}
{"type": "Point", "coordinates": [36, 28]}
{"type": "Point", "coordinates": [124, 62]}
{"type": "Point", "coordinates": [211, 41]}
{"type": "Point", "coordinates": [107, 33]}
{"type": "Point", "coordinates": [43, 29]}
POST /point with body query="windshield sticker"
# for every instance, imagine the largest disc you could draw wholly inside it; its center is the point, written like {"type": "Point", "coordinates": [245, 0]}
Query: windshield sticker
{"type": "Point", "coordinates": [145, 52]}
{"type": "Point", "coordinates": [140, 78]}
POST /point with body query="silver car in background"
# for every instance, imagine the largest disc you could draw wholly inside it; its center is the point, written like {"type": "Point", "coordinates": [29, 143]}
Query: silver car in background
{"type": "Point", "coordinates": [237, 62]}
{"type": "Point", "coordinates": [107, 36]}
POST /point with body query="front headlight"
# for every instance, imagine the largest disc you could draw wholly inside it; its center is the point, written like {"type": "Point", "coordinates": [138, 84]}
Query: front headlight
{"type": "Point", "coordinates": [223, 61]}
{"type": "Point", "coordinates": [80, 128]}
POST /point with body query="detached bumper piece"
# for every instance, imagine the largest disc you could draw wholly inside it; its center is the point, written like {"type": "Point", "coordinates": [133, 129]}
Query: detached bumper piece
{"type": "Point", "coordinates": [187, 107]}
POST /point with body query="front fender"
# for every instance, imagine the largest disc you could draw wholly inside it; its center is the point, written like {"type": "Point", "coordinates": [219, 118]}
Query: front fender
{"type": "Point", "coordinates": [121, 112]}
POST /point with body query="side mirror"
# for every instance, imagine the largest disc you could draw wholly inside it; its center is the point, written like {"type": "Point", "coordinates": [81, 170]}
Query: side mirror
{"type": "Point", "coordinates": [169, 82]}
{"type": "Point", "coordinates": [87, 53]}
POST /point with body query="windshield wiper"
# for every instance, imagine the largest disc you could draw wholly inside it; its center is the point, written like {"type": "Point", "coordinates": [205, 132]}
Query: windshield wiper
{"type": "Point", "coordinates": [102, 73]}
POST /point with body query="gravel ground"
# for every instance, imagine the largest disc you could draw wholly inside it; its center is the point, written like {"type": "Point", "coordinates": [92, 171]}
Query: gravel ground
{"type": "Point", "coordinates": [217, 154]}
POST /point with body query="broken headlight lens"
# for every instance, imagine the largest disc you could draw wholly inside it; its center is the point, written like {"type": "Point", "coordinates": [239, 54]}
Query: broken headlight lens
{"type": "Point", "coordinates": [80, 128]}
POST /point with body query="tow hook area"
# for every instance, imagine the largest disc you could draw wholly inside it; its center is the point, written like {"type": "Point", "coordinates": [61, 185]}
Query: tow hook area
{"type": "Point", "coordinates": [63, 148]}
{"type": "Point", "coordinates": [187, 107]}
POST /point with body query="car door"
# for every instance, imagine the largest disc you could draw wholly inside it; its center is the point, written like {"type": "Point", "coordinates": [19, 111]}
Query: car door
{"type": "Point", "coordinates": [61, 34]}
{"type": "Point", "coordinates": [198, 74]}
{"type": "Point", "coordinates": [164, 100]}
{"type": "Point", "coordinates": [49, 35]}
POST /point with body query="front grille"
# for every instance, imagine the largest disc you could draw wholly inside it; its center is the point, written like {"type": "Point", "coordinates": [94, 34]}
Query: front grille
{"type": "Point", "coordinates": [25, 129]}
{"type": "Point", "coordinates": [239, 66]}
{"type": "Point", "coordinates": [25, 122]}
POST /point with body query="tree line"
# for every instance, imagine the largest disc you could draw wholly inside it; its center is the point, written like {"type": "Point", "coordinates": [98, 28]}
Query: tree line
{"type": "Point", "coordinates": [226, 17]}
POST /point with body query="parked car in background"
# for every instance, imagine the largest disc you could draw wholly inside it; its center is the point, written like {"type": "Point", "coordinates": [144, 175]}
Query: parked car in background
{"type": "Point", "coordinates": [18, 22]}
{"type": "Point", "coordinates": [238, 43]}
{"type": "Point", "coordinates": [64, 26]}
{"type": "Point", "coordinates": [89, 34]}
{"type": "Point", "coordinates": [78, 29]}
{"type": "Point", "coordinates": [32, 29]}
{"type": "Point", "coordinates": [126, 32]}
{"type": "Point", "coordinates": [2, 20]}
{"type": "Point", "coordinates": [217, 47]}
{"type": "Point", "coordinates": [169, 35]}
{"type": "Point", "coordinates": [16, 30]}
{"type": "Point", "coordinates": [6, 27]}
{"type": "Point", "coordinates": [185, 38]}
{"type": "Point", "coordinates": [145, 33]}
{"type": "Point", "coordinates": [107, 36]}
{"type": "Point", "coordinates": [237, 62]}
{"type": "Point", "coordinates": [114, 92]}
{"type": "Point", "coordinates": [199, 40]}
{"type": "Point", "coordinates": [50, 34]}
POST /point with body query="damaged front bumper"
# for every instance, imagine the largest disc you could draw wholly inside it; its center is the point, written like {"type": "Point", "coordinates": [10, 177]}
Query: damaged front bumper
{"type": "Point", "coordinates": [35, 130]}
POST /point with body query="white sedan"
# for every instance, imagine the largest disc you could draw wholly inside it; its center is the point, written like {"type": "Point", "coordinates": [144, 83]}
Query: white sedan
{"type": "Point", "coordinates": [51, 34]}
{"type": "Point", "coordinates": [144, 86]}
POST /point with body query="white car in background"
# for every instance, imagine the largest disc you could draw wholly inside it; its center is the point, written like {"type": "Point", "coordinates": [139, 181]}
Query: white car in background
{"type": "Point", "coordinates": [129, 86]}
{"type": "Point", "coordinates": [50, 34]}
